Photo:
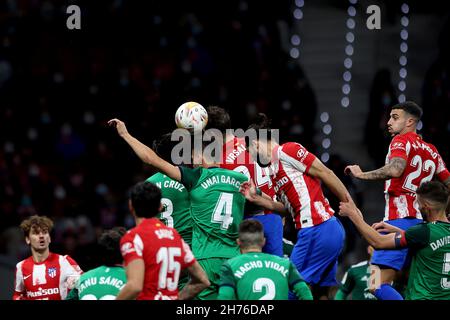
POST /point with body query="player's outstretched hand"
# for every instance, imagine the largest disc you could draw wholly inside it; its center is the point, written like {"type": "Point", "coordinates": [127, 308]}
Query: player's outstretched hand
{"type": "Point", "coordinates": [348, 208]}
{"type": "Point", "coordinates": [385, 227]}
{"type": "Point", "coordinates": [248, 189]}
{"type": "Point", "coordinates": [119, 125]}
{"type": "Point", "coordinates": [354, 170]}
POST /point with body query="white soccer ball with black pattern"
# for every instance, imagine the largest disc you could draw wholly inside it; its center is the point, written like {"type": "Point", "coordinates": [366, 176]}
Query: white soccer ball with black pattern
{"type": "Point", "coordinates": [191, 116]}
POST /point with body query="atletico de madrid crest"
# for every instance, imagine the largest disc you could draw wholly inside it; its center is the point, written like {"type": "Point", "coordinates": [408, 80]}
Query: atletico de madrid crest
{"type": "Point", "coordinates": [51, 272]}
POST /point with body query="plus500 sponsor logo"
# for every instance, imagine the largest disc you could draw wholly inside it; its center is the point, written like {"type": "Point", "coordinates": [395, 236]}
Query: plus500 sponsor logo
{"type": "Point", "coordinates": [42, 292]}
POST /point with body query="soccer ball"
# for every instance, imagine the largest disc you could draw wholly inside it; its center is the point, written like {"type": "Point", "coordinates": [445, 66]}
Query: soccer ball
{"type": "Point", "coordinates": [191, 116]}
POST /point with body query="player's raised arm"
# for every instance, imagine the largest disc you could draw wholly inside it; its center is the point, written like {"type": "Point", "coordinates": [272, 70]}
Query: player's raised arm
{"type": "Point", "coordinates": [249, 190]}
{"type": "Point", "coordinates": [393, 169]}
{"type": "Point", "coordinates": [376, 240]}
{"type": "Point", "coordinates": [145, 153]}
{"type": "Point", "coordinates": [329, 178]}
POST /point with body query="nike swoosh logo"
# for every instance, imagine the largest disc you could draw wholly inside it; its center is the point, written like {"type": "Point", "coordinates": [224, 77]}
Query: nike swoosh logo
{"type": "Point", "coordinates": [26, 277]}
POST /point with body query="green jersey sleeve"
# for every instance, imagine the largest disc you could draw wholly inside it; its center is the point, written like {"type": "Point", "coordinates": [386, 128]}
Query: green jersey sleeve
{"type": "Point", "coordinates": [418, 236]}
{"type": "Point", "coordinates": [73, 294]}
{"type": "Point", "coordinates": [189, 176]}
{"type": "Point", "coordinates": [348, 282]}
{"type": "Point", "coordinates": [226, 276]}
{"type": "Point", "coordinates": [298, 285]}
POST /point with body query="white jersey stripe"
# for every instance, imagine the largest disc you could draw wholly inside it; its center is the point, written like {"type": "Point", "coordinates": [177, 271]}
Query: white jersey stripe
{"type": "Point", "coordinates": [19, 286]}
{"type": "Point", "coordinates": [302, 191]}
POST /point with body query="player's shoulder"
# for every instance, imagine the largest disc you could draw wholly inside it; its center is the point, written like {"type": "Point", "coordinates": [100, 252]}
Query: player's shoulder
{"type": "Point", "coordinates": [156, 177]}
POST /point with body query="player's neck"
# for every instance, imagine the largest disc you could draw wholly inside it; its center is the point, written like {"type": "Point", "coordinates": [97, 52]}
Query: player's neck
{"type": "Point", "coordinates": [138, 220]}
{"type": "Point", "coordinates": [438, 216]}
{"type": "Point", "coordinates": [40, 256]}
{"type": "Point", "coordinates": [249, 250]}
{"type": "Point", "coordinates": [408, 130]}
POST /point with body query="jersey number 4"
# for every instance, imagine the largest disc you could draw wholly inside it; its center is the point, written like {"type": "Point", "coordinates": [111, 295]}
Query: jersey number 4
{"type": "Point", "coordinates": [223, 210]}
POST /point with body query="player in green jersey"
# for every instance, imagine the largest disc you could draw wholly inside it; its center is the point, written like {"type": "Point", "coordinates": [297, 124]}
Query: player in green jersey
{"type": "Point", "coordinates": [356, 281]}
{"type": "Point", "coordinates": [429, 276]}
{"type": "Point", "coordinates": [106, 281]}
{"type": "Point", "coordinates": [217, 206]}
{"type": "Point", "coordinates": [255, 275]}
{"type": "Point", "coordinates": [176, 212]}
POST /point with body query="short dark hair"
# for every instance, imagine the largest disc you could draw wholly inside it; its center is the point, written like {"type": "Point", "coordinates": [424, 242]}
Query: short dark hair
{"type": "Point", "coordinates": [145, 199]}
{"type": "Point", "coordinates": [218, 118]}
{"type": "Point", "coordinates": [434, 191]}
{"type": "Point", "coordinates": [109, 246]}
{"type": "Point", "coordinates": [261, 121]}
{"type": "Point", "coordinates": [411, 108]}
{"type": "Point", "coordinates": [251, 233]}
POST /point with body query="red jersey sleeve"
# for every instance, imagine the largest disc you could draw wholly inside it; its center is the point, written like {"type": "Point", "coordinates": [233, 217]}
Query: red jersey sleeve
{"type": "Point", "coordinates": [441, 171]}
{"type": "Point", "coordinates": [131, 247]}
{"type": "Point", "coordinates": [397, 148]}
{"type": "Point", "coordinates": [19, 289]}
{"type": "Point", "coordinates": [297, 155]}
{"type": "Point", "coordinates": [188, 257]}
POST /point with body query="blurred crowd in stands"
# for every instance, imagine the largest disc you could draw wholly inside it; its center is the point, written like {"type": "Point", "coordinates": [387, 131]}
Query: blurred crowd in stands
{"type": "Point", "coordinates": [138, 61]}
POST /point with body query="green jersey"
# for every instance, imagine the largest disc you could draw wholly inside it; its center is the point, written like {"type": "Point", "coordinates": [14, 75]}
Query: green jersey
{"type": "Point", "coordinates": [102, 283]}
{"type": "Point", "coordinates": [355, 282]}
{"type": "Point", "coordinates": [429, 276]}
{"type": "Point", "coordinates": [176, 211]}
{"type": "Point", "coordinates": [259, 276]}
{"type": "Point", "coordinates": [217, 209]}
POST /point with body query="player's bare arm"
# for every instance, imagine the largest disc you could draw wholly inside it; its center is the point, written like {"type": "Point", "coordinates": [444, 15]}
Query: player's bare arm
{"type": "Point", "coordinates": [376, 240]}
{"type": "Point", "coordinates": [135, 280]}
{"type": "Point", "coordinates": [393, 169]}
{"type": "Point", "coordinates": [329, 178]}
{"type": "Point", "coordinates": [248, 189]}
{"type": "Point", "coordinates": [197, 283]}
{"type": "Point", "coordinates": [145, 153]}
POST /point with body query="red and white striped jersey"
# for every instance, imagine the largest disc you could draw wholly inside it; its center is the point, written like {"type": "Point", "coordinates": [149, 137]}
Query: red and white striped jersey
{"type": "Point", "coordinates": [300, 193]}
{"type": "Point", "coordinates": [236, 157]}
{"type": "Point", "coordinates": [423, 162]}
{"type": "Point", "coordinates": [164, 253]}
{"type": "Point", "coordinates": [48, 280]}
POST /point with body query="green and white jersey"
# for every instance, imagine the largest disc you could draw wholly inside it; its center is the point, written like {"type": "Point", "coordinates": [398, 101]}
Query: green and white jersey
{"type": "Point", "coordinates": [102, 283]}
{"type": "Point", "coordinates": [355, 282]}
{"type": "Point", "coordinates": [176, 211]}
{"type": "Point", "coordinates": [259, 276]}
{"type": "Point", "coordinates": [217, 209]}
{"type": "Point", "coordinates": [429, 277]}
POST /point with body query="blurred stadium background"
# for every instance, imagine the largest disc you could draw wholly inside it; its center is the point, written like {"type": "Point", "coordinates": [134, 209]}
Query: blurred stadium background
{"type": "Point", "coordinates": [313, 66]}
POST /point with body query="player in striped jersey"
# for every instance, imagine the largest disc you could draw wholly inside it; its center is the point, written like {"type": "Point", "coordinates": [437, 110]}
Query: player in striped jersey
{"type": "Point", "coordinates": [296, 175]}
{"type": "Point", "coordinates": [429, 277]}
{"type": "Point", "coordinates": [409, 163]}
{"type": "Point", "coordinates": [45, 275]}
{"type": "Point", "coordinates": [236, 157]}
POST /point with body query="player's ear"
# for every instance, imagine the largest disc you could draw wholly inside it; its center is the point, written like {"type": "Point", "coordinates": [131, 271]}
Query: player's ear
{"type": "Point", "coordinates": [160, 207]}
{"type": "Point", "coordinates": [27, 240]}
{"type": "Point", "coordinates": [238, 241]}
{"type": "Point", "coordinates": [263, 241]}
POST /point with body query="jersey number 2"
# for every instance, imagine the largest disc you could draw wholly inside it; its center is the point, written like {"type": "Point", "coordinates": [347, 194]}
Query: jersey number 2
{"type": "Point", "coordinates": [428, 166]}
{"type": "Point", "coordinates": [267, 284]}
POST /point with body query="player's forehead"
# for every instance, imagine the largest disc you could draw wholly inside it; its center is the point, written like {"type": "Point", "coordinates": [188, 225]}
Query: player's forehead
{"type": "Point", "coordinates": [397, 112]}
{"type": "Point", "coordinates": [35, 229]}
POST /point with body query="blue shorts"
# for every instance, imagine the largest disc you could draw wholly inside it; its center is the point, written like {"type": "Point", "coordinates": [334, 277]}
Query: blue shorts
{"type": "Point", "coordinates": [273, 232]}
{"type": "Point", "coordinates": [317, 250]}
{"type": "Point", "coordinates": [395, 259]}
